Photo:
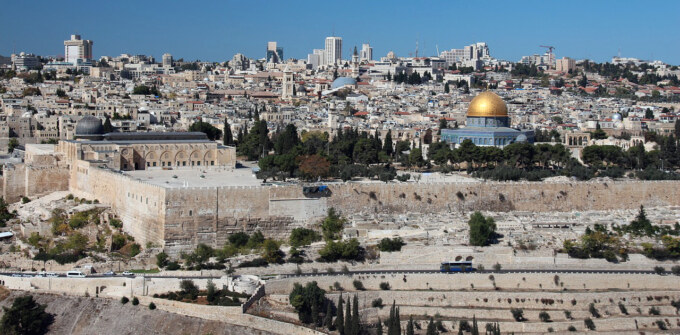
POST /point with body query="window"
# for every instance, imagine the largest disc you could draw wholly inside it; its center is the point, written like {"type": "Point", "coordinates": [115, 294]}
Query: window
{"type": "Point", "coordinates": [198, 163]}
{"type": "Point", "coordinates": [212, 162]}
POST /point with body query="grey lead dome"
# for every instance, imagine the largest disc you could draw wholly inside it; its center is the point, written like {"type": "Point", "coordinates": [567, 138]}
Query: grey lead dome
{"type": "Point", "coordinates": [89, 125]}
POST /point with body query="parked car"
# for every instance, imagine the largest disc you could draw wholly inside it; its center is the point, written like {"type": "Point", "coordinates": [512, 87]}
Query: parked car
{"type": "Point", "coordinates": [75, 274]}
{"type": "Point", "coordinates": [128, 273]}
{"type": "Point", "coordinates": [109, 273]}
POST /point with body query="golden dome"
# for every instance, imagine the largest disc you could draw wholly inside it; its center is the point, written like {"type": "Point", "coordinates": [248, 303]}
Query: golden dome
{"type": "Point", "coordinates": [487, 104]}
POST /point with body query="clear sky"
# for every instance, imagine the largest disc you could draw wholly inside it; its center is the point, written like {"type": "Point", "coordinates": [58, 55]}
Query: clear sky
{"type": "Point", "coordinates": [216, 30]}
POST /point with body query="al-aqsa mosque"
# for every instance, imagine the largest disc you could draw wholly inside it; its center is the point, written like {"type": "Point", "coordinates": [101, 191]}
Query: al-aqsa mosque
{"type": "Point", "coordinates": [487, 124]}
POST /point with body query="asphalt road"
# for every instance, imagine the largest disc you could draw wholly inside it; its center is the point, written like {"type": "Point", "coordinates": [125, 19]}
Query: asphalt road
{"type": "Point", "coordinates": [365, 272]}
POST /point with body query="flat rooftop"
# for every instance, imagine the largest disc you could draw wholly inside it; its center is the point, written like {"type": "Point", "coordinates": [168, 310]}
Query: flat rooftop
{"type": "Point", "coordinates": [196, 177]}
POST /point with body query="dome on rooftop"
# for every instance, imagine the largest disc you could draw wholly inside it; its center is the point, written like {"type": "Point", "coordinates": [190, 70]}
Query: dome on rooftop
{"type": "Point", "coordinates": [487, 104]}
{"type": "Point", "coordinates": [343, 81]}
{"type": "Point", "coordinates": [89, 126]}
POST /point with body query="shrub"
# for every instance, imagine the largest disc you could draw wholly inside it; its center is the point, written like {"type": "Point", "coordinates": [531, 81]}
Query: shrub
{"type": "Point", "coordinates": [338, 287]}
{"type": "Point", "coordinates": [623, 309]}
{"type": "Point", "coordinates": [571, 329]}
{"type": "Point", "coordinates": [517, 314]}
{"type": "Point", "coordinates": [135, 301]}
{"type": "Point", "coordinates": [659, 270]}
{"type": "Point", "coordinates": [303, 236]}
{"type": "Point", "coordinates": [654, 311]}
{"type": "Point", "coordinates": [152, 306]}
{"type": "Point", "coordinates": [676, 270]}
{"type": "Point", "coordinates": [257, 262]}
{"type": "Point", "coordinates": [124, 300]}
{"type": "Point", "coordinates": [593, 311]}
{"type": "Point", "coordinates": [567, 314]}
{"type": "Point", "coordinates": [544, 316]}
{"type": "Point", "coordinates": [589, 323]}
{"type": "Point", "coordinates": [115, 223]}
{"type": "Point", "coordinates": [162, 260]}
{"type": "Point", "coordinates": [377, 303]}
{"type": "Point", "coordinates": [135, 249]}
{"type": "Point", "coordinates": [497, 267]}
{"type": "Point", "coordinates": [358, 285]}
{"type": "Point", "coordinates": [238, 239]}
{"type": "Point", "coordinates": [390, 245]}
{"type": "Point", "coordinates": [172, 266]}
{"type": "Point", "coordinates": [384, 286]}
{"type": "Point", "coordinates": [25, 200]}
{"type": "Point", "coordinates": [341, 250]}
{"type": "Point", "coordinates": [661, 324]}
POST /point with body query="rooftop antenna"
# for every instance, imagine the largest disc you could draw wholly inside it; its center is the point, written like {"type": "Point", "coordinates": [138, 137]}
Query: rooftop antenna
{"type": "Point", "coordinates": [416, 48]}
{"type": "Point", "coordinates": [619, 52]}
{"type": "Point", "coordinates": [437, 46]}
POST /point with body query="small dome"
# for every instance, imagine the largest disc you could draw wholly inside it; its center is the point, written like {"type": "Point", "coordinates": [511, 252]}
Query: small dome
{"type": "Point", "coordinates": [521, 138]}
{"type": "Point", "coordinates": [616, 116]}
{"type": "Point", "coordinates": [487, 104]}
{"type": "Point", "coordinates": [88, 126]}
{"type": "Point", "coordinates": [343, 81]}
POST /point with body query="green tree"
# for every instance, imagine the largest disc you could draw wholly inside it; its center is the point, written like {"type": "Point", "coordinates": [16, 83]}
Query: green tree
{"type": "Point", "coordinates": [12, 144]}
{"type": "Point", "coordinates": [447, 90]}
{"type": "Point", "coordinates": [303, 236]}
{"type": "Point", "coordinates": [107, 128]}
{"type": "Point", "coordinates": [409, 326]}
{"type": "Point", "coordinates": [204, 127]}
{"type": "Point", "coordinates": [340, 319]}
{"type": "Point", "coordinates": [141, 89]}
{"type": "Point", "coordinates": [25, 317]}
{"type": "Point", "coordinates": [162, 260]}
{"type": "Point", "coordinates": [227, 137]}
{"type": "Point", "coordinates": [332, 225]}
{"type": "Point", "coordinates": [306, 300]}
{"type": "Point", "coordinates": [388, 145]}
{"type": "Point", "coordinates": [271, 252]}
{"type": "Point", "coordinates": [356, 326]}
{"type": "Point", "coordinates": [482, 230]}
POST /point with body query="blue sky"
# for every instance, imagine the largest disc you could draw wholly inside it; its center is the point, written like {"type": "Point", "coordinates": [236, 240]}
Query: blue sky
{"type": "Point", "coordinates": [216, 30]}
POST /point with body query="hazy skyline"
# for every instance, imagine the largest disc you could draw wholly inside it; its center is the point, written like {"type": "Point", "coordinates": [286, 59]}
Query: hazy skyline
{"type": "Point", "coordinates": [216, 30]}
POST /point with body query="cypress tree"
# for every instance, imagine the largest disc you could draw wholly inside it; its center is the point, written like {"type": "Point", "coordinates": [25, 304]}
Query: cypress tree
{"type": "Point", "coordinates": [340, 319]}
{"type": "Point", "coordinates": [355, 315]}
{"type": "Point", "coordinates": [348, 317]}
{"type": "Point", "coordinates": [387, 146]}
{"type": "Point", "coordinates": [475, 329]}
{"type": "Point", "coordinates": [228, 138]}
{"type": "Point", "coordinates": [328, 319]}
{"type": "Point", "coordinates": [409, 326]}
{"type": "Point", "coordinates": [390, 321]}
{"type": "Point", "coordinates": [397, 322]}
{"type": "Point", "coordinates": [379, 328]}
{"type": "Point", "coordinates": [108, 128]}
{"type": "Point", "coordinates": [430, 328]}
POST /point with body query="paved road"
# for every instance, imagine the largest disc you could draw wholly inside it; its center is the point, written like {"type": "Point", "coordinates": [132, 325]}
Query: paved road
{"type": "Point", "coordinates": [365, 272]}
{"type": "Point", "coordinates": [575, 271]}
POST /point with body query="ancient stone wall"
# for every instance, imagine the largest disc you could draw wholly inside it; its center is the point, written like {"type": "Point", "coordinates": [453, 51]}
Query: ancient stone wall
{"type": "Point", "coordinates": [210, 215]}
{"type": "Point", "coordinates": [44, 180]}
{"type": "Point", "coordinates": [506, 196]}
{"type": "Point", "coordinates": [13, 182]}
{"type": "Point", "coordinates": [140, 205]}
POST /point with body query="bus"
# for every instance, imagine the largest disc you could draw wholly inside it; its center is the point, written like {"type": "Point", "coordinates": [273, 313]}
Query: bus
{"type": "Point", "coordinates": [465, 266]}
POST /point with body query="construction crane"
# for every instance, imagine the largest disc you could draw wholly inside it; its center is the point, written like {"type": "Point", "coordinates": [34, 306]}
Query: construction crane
{"type": "Point", "coordinates": [550, 53]}
{"type": "Point", "coordinates": [550, 48]}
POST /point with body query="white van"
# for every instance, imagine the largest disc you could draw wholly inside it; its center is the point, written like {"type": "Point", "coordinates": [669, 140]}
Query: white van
{"type": "Point", "coordinates": [75, 274]}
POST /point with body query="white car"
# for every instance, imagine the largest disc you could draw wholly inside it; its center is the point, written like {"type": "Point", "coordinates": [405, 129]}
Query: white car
{"type": "Point", "coordinates": [128, 273]}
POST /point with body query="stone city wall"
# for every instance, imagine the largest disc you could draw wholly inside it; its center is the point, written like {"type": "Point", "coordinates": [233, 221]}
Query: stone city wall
{"type": "Point", "coordinates": [140, 205]}
{"type": "Point", "coordinates": [181, 218]}
{"type": "Point", "coordinates": [13, 182]}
